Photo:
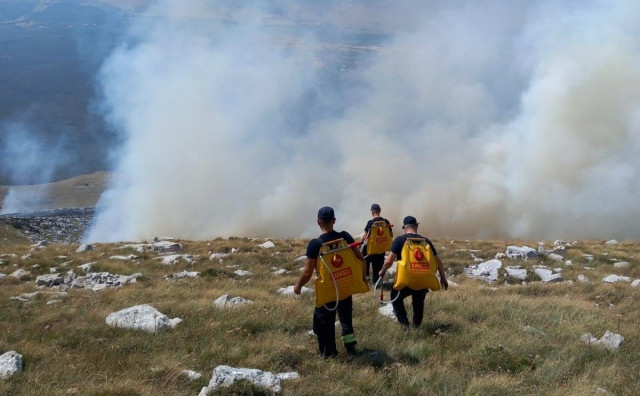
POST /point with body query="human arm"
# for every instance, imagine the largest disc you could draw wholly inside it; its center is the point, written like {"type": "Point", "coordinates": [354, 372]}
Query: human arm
{"type": "Point", "coordinates": [388, 262]}
{"type": "Point", "coordinates": [443, 277]}
{"type": "Point", "coordinates": [305, 276]}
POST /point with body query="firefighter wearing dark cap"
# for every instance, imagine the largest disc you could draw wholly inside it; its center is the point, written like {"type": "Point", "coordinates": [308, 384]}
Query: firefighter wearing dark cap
{"type": "Point", "coordinates": [374, 258]}
{"type": "Point", "coordinates": [323, 317]}
{"type": "Point", "coordinates": [410, 227]}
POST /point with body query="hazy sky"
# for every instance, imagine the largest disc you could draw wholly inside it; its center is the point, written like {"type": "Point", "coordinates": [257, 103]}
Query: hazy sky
{"type": "Point", "coordinates": [480, 118]}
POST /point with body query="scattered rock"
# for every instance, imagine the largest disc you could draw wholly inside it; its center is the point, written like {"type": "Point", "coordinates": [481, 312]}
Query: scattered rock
{"type": "Point", "coordinates": [487, 271]}
{"type": "Point", "coordinates": [281, 271]}
{"type": "Point", "coordinates": [547, 276]}
{"type": "Point", "coordinates": [182, 275]}
{"type": "Point", "coordinates": [84, 248]}
{"type": "Point", "coordinates": [173, 258]}
{"type": "Point", "coordinates": [611, 242]}
{"type": "Point", "coordinates": [141, 317]}
{"type": "Point", "coordinates": [191, 375]}
{"type": "Point", "coordinates": [560, 251]}
{"type": "Point", "coordinates": [288, 291]}
{"type": "Point", "coordinates": [124, 258]}
{"type": "Point", "coordinates": [582, 279]}
{"type": "Point", "coordinates": [243, 273]}
{"type": "Point", "coordinates": [609, 340]}
{"type": "Point", "coordinates": [621, 264]}
{"type": "Point", "coordinates": [166, 247]}
{"type": "Point", "coordinates": [19, 274]}
{"type": "Point", "coordinates": [556, 257]}
{"type": "Point", "coordinates": [558, 242]}
{"type": "Point", "coordinates": [267, 245]}
{"type": "Point", "coordinates": [10, 364]}
{"type": "Point", "coordinates": [635, 283]}
{"type": "Point", "coordinates": [516, 272]}
{"type": "Point", "coordinates": [49, 280]}
{"type": "Point", "coordinates": [616, 278]}
{"type": "Point", "coordinates": [87, 267]}
{"type": "Point", "coordinates": [521, 252]}
{"type": "Point", "coordinates": [226, 301]}
{"type": "Point", "coordinates": [226, 375]}
{"type": "Point", "coordinates": [300, 260]}
{"type": "Point", "coordinates": [217, 256]}
{"type": "Point", "coordinates": [588, 257]}
{"type": "Point", "coordinates": [501, 256]}
{"type": "Point", "coordinates": [387, 310]}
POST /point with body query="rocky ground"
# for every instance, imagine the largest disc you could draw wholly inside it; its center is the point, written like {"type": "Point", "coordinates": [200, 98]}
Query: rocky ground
{"type": "Point", "coordinates": [54, 226]}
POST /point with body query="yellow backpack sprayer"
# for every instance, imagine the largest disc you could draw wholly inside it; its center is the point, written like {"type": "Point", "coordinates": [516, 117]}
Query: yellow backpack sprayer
{"type": "Point", "coordinates": [340, 274]}
{"type": "Point", "coordinates": [416, 270]}
{"type": "Point", "coordinates": [379, 239]}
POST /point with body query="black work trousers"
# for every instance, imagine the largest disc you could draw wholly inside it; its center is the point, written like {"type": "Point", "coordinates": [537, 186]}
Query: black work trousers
{"type": "Point", "coordinates": [417, 303]}
{"type": "Point", "coordinates": [375, 261]}
{"type": "Point", "coordinates": [324, 327]}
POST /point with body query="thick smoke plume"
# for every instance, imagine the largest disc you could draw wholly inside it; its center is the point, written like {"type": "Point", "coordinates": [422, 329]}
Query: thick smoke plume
{"type": "Point", "coordinates": [480, 118]}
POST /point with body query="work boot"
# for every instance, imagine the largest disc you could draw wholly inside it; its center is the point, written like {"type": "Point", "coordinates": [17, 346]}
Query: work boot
{"type": "Point", "coordinates": [351, 349]}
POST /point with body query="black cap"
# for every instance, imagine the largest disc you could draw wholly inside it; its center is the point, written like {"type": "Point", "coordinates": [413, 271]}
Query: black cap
{"type": "Point", "coordinates": [326, 213]}
{"type": "Point", "coordinates": [375, 208]}
{"type": "Point", "coordinates": [409, 220]}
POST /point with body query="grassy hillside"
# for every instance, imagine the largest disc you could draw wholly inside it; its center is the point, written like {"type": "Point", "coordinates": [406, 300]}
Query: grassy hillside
{"type": "Point", "coordinates": [78, 192]}
{"type": "Point", "coordinates": [477, 338]}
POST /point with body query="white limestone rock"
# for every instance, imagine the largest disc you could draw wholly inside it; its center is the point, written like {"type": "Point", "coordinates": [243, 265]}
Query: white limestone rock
{"type": "Point", "coordinates": [166, 247]}
{"type": "Point", "coordinates": [621, 264]}
{"type": "Point", "coordinates": [2, 276]}
{"type": "Point", "coordinates": [267, 245]}
{"type": "Point", "coordinates": [516, 272]}
{"type": "Point", "coordinates": [288, 291]}
{"type": "Point", "coordinates": [141, 317]}
{"type": "Point", "coordinates": [49, 280]}
{"type": "Point", "coordinates": [635, 283]}
{"type": "Point", "coordinates": [558, 242]}
{"type": "Point", "coordinates": [501, 256]}
{"type": "Point", "coordinates": [487, 271]}
{"type": "Point", "coordinates": [10, 364]}
{"type": "Point", "coordinates": [300, 260]}
{"type": "Point", "coordinates": [87, 267]}
{"type": "Point", "coordinates": [243, 273]}
{"type": "Point", "coordinates": [547, 276]}
{"type": "Point", "coordinates": [560, 251]}
{"type": "Point", "coordinates": [556, 257]}
{"type": "Point", "coordinates": [174, 258]}
{"type": "Point", "coordinates": [124, 258]}
{"type": "Point", "coordinates": [191, 375]}
{"type": "Point", "coordinates": [521, 252]}
{"type": "Point", "coordinates": [85, 248]}
{"type": "Point", "coordinates": [19, 274]}
{"type": "Point", "coordinates": [387, 311]}
{"type": "Point", "coordinates": [609, 340]}
{"type": "Point", "coordinates": [226, 301]}
{"type": "Point", "coordinates": [583, 279]}
{"type": "Point", "coordinates": [182, 275]}
{"type": "Point", "coordinates": [226, 375]}
{"type": "Point", "coordinates": [616, 278]}
{"type": "Point", "coordinates": [611, 242]}
{"type": "Point", "coordinates": [280, 271]}
{"type": "Point", "coordinates": [217, 256]}
{"type": "Point", "coordinates": [588, 257]}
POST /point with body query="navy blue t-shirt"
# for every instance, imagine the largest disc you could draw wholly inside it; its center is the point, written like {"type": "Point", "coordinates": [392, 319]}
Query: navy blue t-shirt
{"type": "Point", "coordinates": [398, 243]}
{"type": "Point", "coordinates": [370, 222]}
{"type": "Point", "coordinates": [313, 249]}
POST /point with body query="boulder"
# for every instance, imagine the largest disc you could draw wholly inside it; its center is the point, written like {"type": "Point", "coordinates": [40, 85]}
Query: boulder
{"type": "Point", "coordinates": [217, 256]}
{"type": "Point", "coordinates": [547, 276]}
{"type": "Point", "coordinates": [611, 242]}
{"type": "Point", "coordinates": [19, 274]}
{"type": "Point", "coordinates": [616, 278]}
{"type": "Point", "coordinates": [621, 264]}
{"type": "Point", "coordinates": [556, 257]}
{"type": "Point", "coordinates": [243, 273]}
{"type": "Point", "coordinates": [288, 291]}
{"type": "Point", "coordinates": [521, 252]}
{"type": "Point", "coordinates": [582, 279]}
{"type": "Point", "coordinates": [516, 272]}
{"type": "Point", "coordinates": [124, 258]}
{"type": "Point", "coordinates": [10, 364]}
{"type": "Point", "coordinates": [191, 375]}
{"type": "Point", "coordinates": [560, 251]}
{"type": "Point", "coordinates": [141, 317]}
{"type": "Point", "coordinates": [635, 283]}
{"type": "Point", "coordinates": [49, 280]}
{"type": "Point", "coordinates": [300, 260]}
{"type": "Point", "coordinates": [173, 258]}
{"type": "Point", "coordinates": [609, 340]}
{"type": "Point", "coordinates": [226, 301]}
{"type": "Point", "coordinates": [182, 275]}
{"type": "Point", "coordinates": [85, 248]}
{"type": "Point", "coordinates": [166, 247]}
{"type": "Point", "coordinates": [387, 310]}
{"type": "Point", "coordinates": [267, 245]}
{"type": "Point", "coordinates": [227, 375]}
{"type": "Point", "coordinates": [487, 271]}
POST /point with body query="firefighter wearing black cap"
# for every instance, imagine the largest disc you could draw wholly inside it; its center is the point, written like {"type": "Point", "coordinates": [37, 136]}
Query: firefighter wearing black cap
{"type": "Point", "coordinates": [324, 318]}
{"type": "Point", "coordinates": [410, 227]}
{"type": "Point", "coordinates": [375, 260]}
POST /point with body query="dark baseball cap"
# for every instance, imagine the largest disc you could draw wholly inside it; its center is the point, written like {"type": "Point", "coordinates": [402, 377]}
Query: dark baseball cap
{"type": "Point", "coordinates": [375, 207]}
{"type": "Point", "coordinates": [326, 213]}
{"type": "Point", "coordinates": [409, 220]}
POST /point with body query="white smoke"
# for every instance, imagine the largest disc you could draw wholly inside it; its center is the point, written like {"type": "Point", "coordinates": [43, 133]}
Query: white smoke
{"type": "Point", "coordinates": [482, 119]}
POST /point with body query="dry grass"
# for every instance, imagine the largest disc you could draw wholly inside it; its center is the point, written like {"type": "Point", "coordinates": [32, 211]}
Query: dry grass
{"type": "Point", "coordinates": [519, 339]}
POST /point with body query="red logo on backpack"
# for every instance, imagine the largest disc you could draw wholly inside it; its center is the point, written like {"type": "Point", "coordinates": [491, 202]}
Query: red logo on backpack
{"type": "Point", "coordinates": [337, 261]}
